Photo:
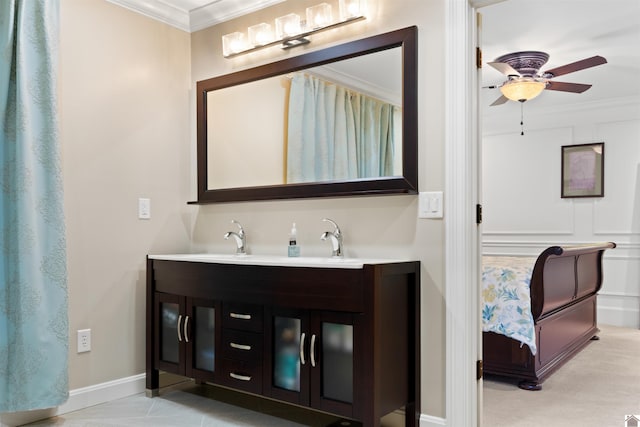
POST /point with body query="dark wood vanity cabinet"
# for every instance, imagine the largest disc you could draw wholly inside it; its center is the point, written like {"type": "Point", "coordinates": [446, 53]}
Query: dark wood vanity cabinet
{"type": "Point", "coordinates": [340, 340]}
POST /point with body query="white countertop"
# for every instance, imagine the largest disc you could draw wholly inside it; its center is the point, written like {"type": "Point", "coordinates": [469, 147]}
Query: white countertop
{"type": "Point", "coordinates": [275, 261]}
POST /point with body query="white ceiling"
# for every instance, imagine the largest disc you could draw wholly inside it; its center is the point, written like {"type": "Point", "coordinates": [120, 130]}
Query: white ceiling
{"type": "Point", "coordinates": [568, 30]}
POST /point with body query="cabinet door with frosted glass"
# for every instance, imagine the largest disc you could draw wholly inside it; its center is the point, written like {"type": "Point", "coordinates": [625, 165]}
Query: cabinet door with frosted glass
{"type": "Point", "coordinates": [169, 352]}
{"type": "Point", "coordinates": [336, 362]}
{"type": "Point", "coordinates": [286, 359]}
{"type": "Point", "coordinates": [201, 329]}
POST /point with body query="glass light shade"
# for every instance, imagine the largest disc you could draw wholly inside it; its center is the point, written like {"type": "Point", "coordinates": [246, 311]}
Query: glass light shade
{"type": "Point", "coordinates": [233, 43]}
{"type": "Point", "coordinates": [288, 25]}
{"type": "Point", "coordinates": [260, 34]}
{"type": "Point", "coordinates": [319, 16]}
{"type": "Point", "coordinates": [350, 9]}
{"type": "Point", "coordinates": [522, 90]}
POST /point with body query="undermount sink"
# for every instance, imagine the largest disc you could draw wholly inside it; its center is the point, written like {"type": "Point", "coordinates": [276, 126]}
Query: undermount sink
{"type": "Point", "coordinates": [276, 261]}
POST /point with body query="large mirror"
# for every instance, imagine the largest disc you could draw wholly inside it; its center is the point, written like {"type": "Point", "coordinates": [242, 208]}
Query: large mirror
{"type": "Point", "coordinates": [341, 121]}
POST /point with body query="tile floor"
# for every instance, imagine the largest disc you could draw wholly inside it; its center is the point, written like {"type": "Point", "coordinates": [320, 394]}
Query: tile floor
{"type": "Point", "coordinates": [190, 405]}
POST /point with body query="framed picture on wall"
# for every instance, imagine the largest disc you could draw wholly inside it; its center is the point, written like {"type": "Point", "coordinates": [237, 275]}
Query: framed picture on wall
{"type": "Point", "coordinates": [583, 170]}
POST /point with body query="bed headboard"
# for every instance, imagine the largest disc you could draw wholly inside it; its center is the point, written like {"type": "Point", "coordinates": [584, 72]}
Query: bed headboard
{"type": "Point", "coordinates": [564, 274]}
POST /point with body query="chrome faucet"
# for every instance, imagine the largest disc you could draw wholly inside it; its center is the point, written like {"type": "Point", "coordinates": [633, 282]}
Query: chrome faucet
{"type": "Point", "coordinates": [335, 237]}
{"type": "Point", "coordinates": [241, 238]}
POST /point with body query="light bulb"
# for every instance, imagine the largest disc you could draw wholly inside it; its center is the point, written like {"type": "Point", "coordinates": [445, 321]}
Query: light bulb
{"type": "Point", "coordinates": [260, 34]}
{"type": "Point", "coordinates": [233, 43]}
{"type": "Point", "coordinates": [351, 9]}
{"type": "Point", "coordinates": [319, 16]}
{"type": "Point", "coordinates": [288, 25]}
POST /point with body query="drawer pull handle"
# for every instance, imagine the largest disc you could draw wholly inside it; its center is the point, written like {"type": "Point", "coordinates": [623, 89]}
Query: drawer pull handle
{"type": "Point", "coordinates": [312, 350]}
{"type": "Point", "coordinates": [240, 346]}
{"type": "Point", "coordinates": [239, 377]}
{"type": "Point", "coordinates": [302, 349]}
{"type": "Point", "coordinates": [240, 316]}
{"type": "Point", "coordinates": [178, 327]}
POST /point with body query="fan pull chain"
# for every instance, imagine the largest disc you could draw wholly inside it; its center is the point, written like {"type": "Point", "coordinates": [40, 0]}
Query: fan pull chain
{"type": "Point", "coordinates": [521, 118]}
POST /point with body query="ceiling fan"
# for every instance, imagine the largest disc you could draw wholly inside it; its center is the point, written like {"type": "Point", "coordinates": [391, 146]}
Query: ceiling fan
{"type": "Point", "coordinates": [525, 81]}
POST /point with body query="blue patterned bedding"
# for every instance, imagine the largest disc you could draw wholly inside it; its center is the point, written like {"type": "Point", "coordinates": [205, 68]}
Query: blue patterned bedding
{"type": "Point", "coordinates": [506, 305]}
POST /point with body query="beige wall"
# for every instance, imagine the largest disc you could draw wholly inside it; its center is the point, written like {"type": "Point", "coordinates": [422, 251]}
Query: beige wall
{"type": "Point", "coordinates": [127, 121]}
{"type": "Point", "coordinates": [124, 108]}
{"type": "Point", "coordinates": [373, 226]}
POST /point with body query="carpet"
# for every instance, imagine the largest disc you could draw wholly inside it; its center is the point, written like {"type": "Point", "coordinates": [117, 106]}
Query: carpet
{"type": "Point", "coordinates": [596, 388]}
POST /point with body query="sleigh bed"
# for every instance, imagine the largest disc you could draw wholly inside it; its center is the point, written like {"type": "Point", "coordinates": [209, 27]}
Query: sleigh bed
{"type": "Point", "coordinates": [539, 312]}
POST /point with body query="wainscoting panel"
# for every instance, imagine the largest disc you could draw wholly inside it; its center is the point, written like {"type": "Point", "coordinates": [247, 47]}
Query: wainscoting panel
{"type": "Point", "coordinates": [521, 183]}
{"type": "Point", "coordinates": [618, 212]}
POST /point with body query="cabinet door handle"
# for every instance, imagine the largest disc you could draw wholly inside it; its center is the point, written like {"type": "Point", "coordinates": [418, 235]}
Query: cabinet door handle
{"type": "Point", "coordinates": [239, 377]}
{"type": "Point", "coordinates": [186, 322]}
{"type": "Point", "coordinates": [312, 350]}
{"type": "Point", "coordinates": [302, 349]}
{"type": "Point", "coordinates": [240, 316]}
{"type": "Point", "coordinates": [240, 346]}
{"type": "Point", "coordinates": [178, 328]}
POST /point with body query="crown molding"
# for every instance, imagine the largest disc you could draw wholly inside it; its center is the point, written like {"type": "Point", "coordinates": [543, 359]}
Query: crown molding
{"type": "Point", "coordinates": [158, 10]}
{"type": "Point", "coordinates": [222, 11]}
{"type": "Point", "coordinates": [212, 13]}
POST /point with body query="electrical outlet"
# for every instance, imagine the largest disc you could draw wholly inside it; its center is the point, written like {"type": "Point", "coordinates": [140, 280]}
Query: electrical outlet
{"type": "Point", "coordinates": [84, 340]}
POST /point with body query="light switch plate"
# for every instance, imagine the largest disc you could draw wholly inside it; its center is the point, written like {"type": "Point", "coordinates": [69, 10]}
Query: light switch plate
{"type": "Point", "coordinates": [144, 208]}
{"type": "Point", "coordinates": [430, 204]}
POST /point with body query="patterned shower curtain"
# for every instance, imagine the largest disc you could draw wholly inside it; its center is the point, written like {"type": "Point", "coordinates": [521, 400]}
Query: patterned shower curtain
{"type": "Point", "coordinates": [33, 271]}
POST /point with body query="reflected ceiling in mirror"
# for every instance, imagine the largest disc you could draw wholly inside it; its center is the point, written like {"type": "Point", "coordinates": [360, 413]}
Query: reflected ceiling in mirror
{"type": "Point", "coordinates": [336, 122]}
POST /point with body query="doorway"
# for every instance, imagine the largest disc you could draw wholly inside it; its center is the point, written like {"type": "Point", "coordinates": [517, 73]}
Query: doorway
{"type": "Point", "coordinates": [606, 113]}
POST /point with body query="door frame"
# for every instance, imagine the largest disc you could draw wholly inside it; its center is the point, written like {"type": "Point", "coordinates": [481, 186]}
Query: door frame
{"type": "Point", "coordinates": [463, 239]}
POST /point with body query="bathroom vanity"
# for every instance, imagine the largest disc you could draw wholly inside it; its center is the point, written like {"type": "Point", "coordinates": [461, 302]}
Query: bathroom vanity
{"type": "Point", "coordinates": [338, 336]}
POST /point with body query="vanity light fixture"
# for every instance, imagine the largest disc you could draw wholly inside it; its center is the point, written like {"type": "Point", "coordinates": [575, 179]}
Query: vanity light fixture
{"type": "Point", "coordinates": [319, 16]}
{"type": "Point", "coordinates": [260, 34]}
{"type": "Point", "coordinates": [233, 43]}
{"type": "Point", "coordinates": [291, 30]}
{"type": "Point", "coordinates": [350, 9]}
{"type": "Point", "coordinates": [288, 26]}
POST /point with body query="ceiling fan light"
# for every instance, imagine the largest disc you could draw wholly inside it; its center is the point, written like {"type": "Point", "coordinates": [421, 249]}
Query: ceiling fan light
{"type": "Point", "coordinates": [522, 90]}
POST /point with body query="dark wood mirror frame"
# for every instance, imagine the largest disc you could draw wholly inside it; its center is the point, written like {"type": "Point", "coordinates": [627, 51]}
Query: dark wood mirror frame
{"type": "Point", "coordinates": [405, 38]}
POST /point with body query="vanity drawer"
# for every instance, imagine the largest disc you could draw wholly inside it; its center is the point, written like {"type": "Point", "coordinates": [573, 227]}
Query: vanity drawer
{"type": "Point", "coordinates": [241, 345]}
{"type": "Point", "coordinates": [242, 375]}
{"type": "Point", "coordinates": [245, 317]}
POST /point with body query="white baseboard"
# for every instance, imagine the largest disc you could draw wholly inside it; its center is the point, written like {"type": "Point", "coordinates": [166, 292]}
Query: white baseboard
{"type": "Point", "coordinates": [79, 399]}
{"type": "Point", "coordinates": [101, 393]}
{"type": "Point", "coordinates": [617, 316]}
{"type": "Point", "coordinates": [431, 421]}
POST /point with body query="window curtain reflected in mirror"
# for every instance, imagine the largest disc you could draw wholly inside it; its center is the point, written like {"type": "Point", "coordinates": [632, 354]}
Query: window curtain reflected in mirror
{"type": "Point", "coordinates": [337, 134]}
{"type": "Point", "coordinates": [33, 272]}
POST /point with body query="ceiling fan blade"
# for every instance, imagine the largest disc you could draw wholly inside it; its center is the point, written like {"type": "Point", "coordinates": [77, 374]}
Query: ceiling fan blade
{"type": "Point", "coordinates": [499, 101]}
{"type": "Point", "coordinates": [504, 68]}
{"type": "Point", "coordinates": [575, 66]}
{"type": "Point", "coordinates": [567, 87]}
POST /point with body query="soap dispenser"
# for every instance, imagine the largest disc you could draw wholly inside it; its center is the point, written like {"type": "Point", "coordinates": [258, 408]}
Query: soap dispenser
{"type": "Point", "coordinates": [294, 249]}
